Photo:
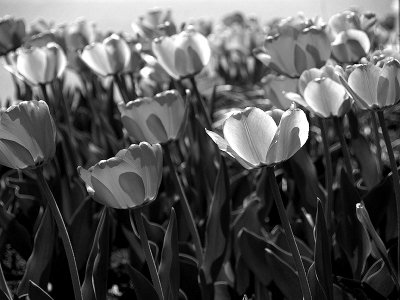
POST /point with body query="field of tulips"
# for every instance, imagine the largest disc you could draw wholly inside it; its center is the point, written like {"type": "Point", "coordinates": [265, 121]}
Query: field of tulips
{"type": "Point", "coordinates": [201, 161]}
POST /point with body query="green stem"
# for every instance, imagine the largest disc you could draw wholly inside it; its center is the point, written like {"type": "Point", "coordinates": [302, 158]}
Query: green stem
{"type": "Point", "coordinates": [132, 81]}
{"type": "Point", "coordinates": [122, 87]}
{"type": "Point", "coordinates": [375, 128]}
{"type": "Point", "coordinates": [305, 288]}
{"type": "Point", "coordinates": [201, 103]}
{"type": "Point", "coordinates": [47, 99]}
{"type": "Point", "coordinates": [185, 206]}
{"type": "Point", "coordinates": [62, 230]}
{"type": "Point", "coordinates": [328, 173]}
{"type": "Point", "coordinates": [395, 179]}
{"type": "Point", "coordinates": [345, 150]}
{"type": "Point", "coordinates": [137, 214]}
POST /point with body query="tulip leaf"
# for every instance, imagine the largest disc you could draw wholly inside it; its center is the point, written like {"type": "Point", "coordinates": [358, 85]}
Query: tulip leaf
{"type": "Point", "coordinates": [284, 276]}
{"type": "Point", "coordinates": [379, 278]}
{"type": "Point", "coordinates": [252, 248]}
{"type": "Point", "coordinates": [281, 242]}
{"type": "Point", "coordinates": [144, 290]}
{"type": "Point", "coordinates": [350, 234]}
{"type": "Point", "coordinates": [189, 279]}
{"type": "Point", "coordinates": [42, 254]}
{"type": "Point", "coordinates": [169, 265]}
{"type": "Point", "coordinates": [317, 291]}
{"type": "Point", "coordinates": [137, 255]}
{"type": "Point", "coordinates": [81, 232]}
{"type": "Point", "coordinates": [95, 283]}
{"type": "Point", "coordinates": [3, 296]}
{"type": "Point", "coordinates": [154, 231]}
{"type": "Point", "coordinates": [4, 290]}
{"type": "Point", "coordinates": [217, 228]}
{"type": "Point", "coordinates": [35, 292]}
{"type": "Point", "coordinates": [322, 254]}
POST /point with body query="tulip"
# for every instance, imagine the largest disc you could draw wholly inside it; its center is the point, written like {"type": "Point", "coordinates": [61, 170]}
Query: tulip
{"type": "Point", "coordinates": [80, 34]}
{"type": "Point", "coordinates": [375, 88]}
{"type": "Point", "coordinates": [295, 48]}
{"type": "Point", "coordinates": [155, 120]}
{"type": "Point", "coordinates": [276, 87]}
{"type": "Point", "coordinates": [155, 23]}
{"type": "Point", "coordinates": [38, 65]}
{"type": "Point", "coordinates": [12, 34]}
{"type": "Point", "coordinates": [109, 57]}
{"type": "Point", "coordinates": [252, 137]}
{"type": "Point", "coordinates": [322, 93]}
{"type": "Point", "coordinates": [27, 135]}
{"type": "Point", "coordinates": [184, 54]}
{"type": "Point", "coordinates": [130, 179]}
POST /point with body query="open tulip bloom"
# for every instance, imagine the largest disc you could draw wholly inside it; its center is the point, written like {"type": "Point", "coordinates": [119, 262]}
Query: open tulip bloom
{"type": "Point", "coordinates": [252, 137]}
{"type": "Point", "coordinates": [184, 54]}
{"type": "Point", "coordinates": [109, 57]}
{"type": "Point", "coordinates": [322, 93]}
{"type": "Point", "coordinates": [155, 120]}
{"type": "Point", "coordinates": [295, 49]}
{"type": "Point", "coordinates": [37, 65]}
{"type": "Point", "coordinates": [27, 135]}
{"type": "Point", "coordinates": [128, 180]}
{"type": "Point", "coordinates": [373, 87]}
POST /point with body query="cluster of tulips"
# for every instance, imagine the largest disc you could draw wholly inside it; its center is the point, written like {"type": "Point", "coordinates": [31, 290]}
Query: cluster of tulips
{"type": "Point", "coordinates": [233, 161]}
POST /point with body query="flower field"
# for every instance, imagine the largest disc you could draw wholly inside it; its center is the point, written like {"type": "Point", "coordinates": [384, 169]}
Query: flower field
{"type": "Point", "coordinates": [227, 160]}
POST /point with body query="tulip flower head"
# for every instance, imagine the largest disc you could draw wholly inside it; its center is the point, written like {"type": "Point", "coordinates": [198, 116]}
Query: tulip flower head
{"type": "Point", "coordinates": [128, 180]}
{"type": "Point", "coordinates": [80, 34]}
{"type": "Point", "coordinates": [155, 120]}
{"type": "Point", "coordinates": [295, 48]}
{"type": "Point", "coordinates": [38, 65]}
{"type": "Point", "coordinates": [27, 135]}
{"type": "Point", "coordinates": [12, 34]}
{"type": "Point", "coordinates": [184, 54]}
{"type": "Point", "coordinates": [109, 57]}
{"type": "Point", "coordinates": [373, 87]}
{"type": "Point", "coordinates": [322, 93]}
{"type": "Point", "coordinates": [254, 139]}
{"type": "Point", "coordinates": [155, 23]}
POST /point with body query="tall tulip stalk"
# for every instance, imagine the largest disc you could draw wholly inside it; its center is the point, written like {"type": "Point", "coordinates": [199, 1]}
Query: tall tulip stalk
{"type": "Point", "coordinates": [252, 137]}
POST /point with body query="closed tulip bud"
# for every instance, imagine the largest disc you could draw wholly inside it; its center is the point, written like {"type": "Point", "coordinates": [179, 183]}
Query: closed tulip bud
{"type": "Point", "coordinates": [322, 93]}
{"type": "Point", "coordinates": [27, 135]}
{"type": "Point", "coordinates": [80, 34]}
{"type": "Point", "coordinates": [109, 57]}
{"type": "Point", "coordinates": [38, 65]}
{"type": "Point", "coordinates": [130, 179]}
{"type": "Point", "coordinates": [342, 21]}
{"type": "Point", "coordinates": [373, 87]}
{"type": "Point", "coordinates": [295, 49]}
{"type": "Point", "coordinates": [184, 54]}
{"type": "Point", "coordinates": [155, 120]}
{"type": "Point", "coordinates": [12, 34]}
{"type": "Point", "coordinates": [276, 87]}
{"type": "Point", "coordinates": [253, 138]}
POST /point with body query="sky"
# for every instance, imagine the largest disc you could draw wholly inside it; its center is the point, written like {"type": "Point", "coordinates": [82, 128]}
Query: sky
{"type": "Point", "coordinates": [119, 14]}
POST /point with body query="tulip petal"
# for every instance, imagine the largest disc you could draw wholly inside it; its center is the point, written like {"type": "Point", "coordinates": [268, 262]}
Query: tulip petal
{"type": "Point", "coordinates": [31, 64]}
{"type": "Point", "coordinates": [388, 89]}
{"type": "Point", "coordinates": [118, 52]}
{"type": "Point", "coordinates": [95, 56]}
{"type": "Point", "coordinates": [164, 49]}
{"type": "Point", "coordinates": [291, 135]}
{"type": "Point", "coordinates": [325, 97]}
{"type": "Point", "coordinates": [249, 133]}
{"type": "Point", "coordinates": [14, 155]}
{"type": "Point", "coordinates": [364, 82]}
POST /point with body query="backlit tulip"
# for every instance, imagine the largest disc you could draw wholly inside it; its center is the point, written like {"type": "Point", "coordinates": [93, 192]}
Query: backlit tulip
{"type": "Point", "coordinates": [184, 54]}
{"type": "Point", "coordinates": [152, 24]}
{"type": "Point", "coordinates": [80, 34]}
{"type": "Point", "coordinates": [109, 57]}
{"type": "Point", "coordinates": [276, 87]}
{"type": "Point", "coordinates": [295, 48]}
{"type": "Point", "coordinates": [130, 179]}
{"type": "Point", "coordinates": [12, 34]}
{"type": "Point", "coordinates": [373, 87]}
{"type": "Point", "coordinates": [252, 137]}
{"type": "Point", "coordinates": [322, 93]}
{"type": "Point", "coordinates": [155, 120]}
{"type": "Point", "coordinates": [38, 65]}
{"type": "Point", "coordinates": [27, 135]}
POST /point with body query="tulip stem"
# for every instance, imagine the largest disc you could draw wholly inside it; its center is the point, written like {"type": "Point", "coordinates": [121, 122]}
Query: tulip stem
{"type": "Point", "coordinates": [62, 230]}
{"type": "Point", "coordinates": [122, 87]}
{"type": "Point", "coordinates": [47, 99]}
{"type": "Point", "coordinates": [201, 103]}
{"type": "Point", "coordinates": [395, 179]}
{"type": "Point", "coordinates": [345, 150]}
{"type": "Point", "coordinates": [375, 128]}
{"type": "Point", "coordinates": [305, 288]}
{"type": "Point", "coordinates": [185, 206]}
{"type": "Point", "coordinates": [137, 214]}
{"type": "Point", "coordinates": [328, 172]}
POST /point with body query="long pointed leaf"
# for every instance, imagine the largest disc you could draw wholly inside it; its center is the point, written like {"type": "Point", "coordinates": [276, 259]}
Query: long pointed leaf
{"type": "Point", "coordinates": [143, 288]}
{"type": "Point", "coordinates": [35, 292]}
